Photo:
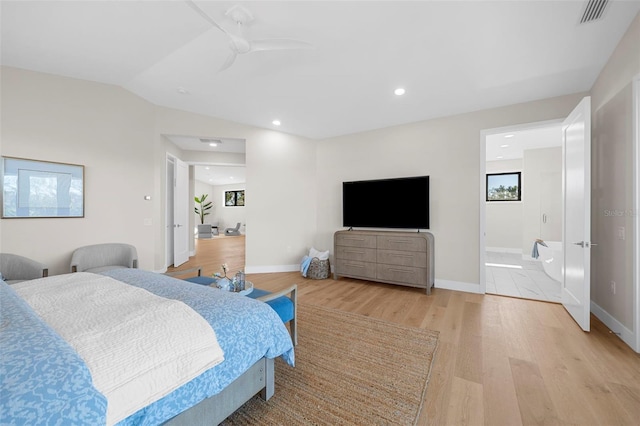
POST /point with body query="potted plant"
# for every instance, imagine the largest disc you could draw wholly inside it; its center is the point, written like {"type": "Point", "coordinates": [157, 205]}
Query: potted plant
{"type": "Point", "coordinates": [203, 209]}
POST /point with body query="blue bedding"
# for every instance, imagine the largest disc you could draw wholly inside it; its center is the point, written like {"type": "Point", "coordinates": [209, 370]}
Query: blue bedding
{"type": "Point", "coordinates": [246, 329]}
{"type": "Point", "coordinates": [42, 378]}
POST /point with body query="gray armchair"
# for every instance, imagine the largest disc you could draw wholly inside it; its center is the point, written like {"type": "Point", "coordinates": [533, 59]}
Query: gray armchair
{"type": "Point", "coordinates": [103, 257]}
{"type": "Point", "coordinates": [16, 268]}
{"type": "Point", "coordinates": [233, 231]}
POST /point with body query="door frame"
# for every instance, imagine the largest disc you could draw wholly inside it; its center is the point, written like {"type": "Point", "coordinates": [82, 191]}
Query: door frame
{"type": "Point", "coordinates": [483, 183]}
{"type": "Point", "coordinates": [168, 206]}
{"type": "Point", "coordinates": [636, 206]}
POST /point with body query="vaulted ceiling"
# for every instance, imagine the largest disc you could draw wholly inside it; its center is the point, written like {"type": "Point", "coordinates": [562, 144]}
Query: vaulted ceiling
{"type": "Point", "coordinates": [450, 56]}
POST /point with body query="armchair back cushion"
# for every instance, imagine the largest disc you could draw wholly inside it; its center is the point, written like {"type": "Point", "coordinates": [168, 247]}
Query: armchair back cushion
{"type": "Point", "coordinates": [15, 268]}
{"type": "Point", "coordinates": [103, 257]}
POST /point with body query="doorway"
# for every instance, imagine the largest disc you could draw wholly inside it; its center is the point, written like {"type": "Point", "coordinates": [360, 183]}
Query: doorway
{"type": "Point", "coordinates": [224, 186]}
{"type": "Point", "coordinates": [522, 220]}
{"type": "Point", "coordinates": [212, 164]}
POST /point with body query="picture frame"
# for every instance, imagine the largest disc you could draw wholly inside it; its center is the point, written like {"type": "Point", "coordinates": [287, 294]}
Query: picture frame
{"type": "Point", "coordinates": [505, 186]}
{"type": "Point", "coordinates": [234, 198]}
{"type": "Point", "coordinates": [41, 189]}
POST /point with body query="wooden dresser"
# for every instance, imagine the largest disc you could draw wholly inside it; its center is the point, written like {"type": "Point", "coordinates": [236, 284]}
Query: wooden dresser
{"type": "Point", "coordinates": [402, 258]}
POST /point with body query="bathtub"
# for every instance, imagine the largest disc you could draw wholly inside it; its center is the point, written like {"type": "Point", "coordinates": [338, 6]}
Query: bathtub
{"type": "Point", "coordinates": [551, 258]}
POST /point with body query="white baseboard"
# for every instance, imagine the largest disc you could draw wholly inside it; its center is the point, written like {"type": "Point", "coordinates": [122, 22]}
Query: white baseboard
{"type": "Point", "coordinates": [504, 250]}
{"type": "Point", "coordinates": [273, 268]}
{"type": "Point", "coordinates": [616, 326]}
{"type": "Point", "coordinates": [458, 286]}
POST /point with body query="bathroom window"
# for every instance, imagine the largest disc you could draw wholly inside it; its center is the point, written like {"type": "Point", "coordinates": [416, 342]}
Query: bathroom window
{"type": "Point", "coordinates": [503, 186]}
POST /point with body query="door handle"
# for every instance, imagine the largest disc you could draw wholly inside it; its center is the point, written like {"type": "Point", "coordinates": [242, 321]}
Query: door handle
{"type": "Point", "coordinates": [544, 218]}
{"type": "Point", "coordinates": [584, 244]}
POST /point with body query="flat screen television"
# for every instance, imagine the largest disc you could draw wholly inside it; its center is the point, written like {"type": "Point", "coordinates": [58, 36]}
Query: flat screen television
{"type": "Point", "coordinates": [386, 203]}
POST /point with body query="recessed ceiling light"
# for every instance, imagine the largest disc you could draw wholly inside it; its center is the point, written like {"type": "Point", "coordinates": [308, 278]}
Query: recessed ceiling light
{"type": "Point", "coordinates": [276, 122]}
{"type": "Point", "coordinates": [213, 144]}
{"type": "Point", "coordinates": [499, 157]}
{"type": "Point", "coordinates": [182, 91]}
{"type": "Point", "coordinates": [399, 91]}
{"type": "Point", "coordinates": [231, 177]}
{"type": "Point", "coordinates": [206, 168]}
{"type": "Point", "coordinates": [509, 136]}
{"type": "Point", "coordinates": [504, 146]}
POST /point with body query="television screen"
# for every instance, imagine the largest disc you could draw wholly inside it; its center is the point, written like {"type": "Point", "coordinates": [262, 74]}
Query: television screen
{"type": "Point", "coordinates": [386, 203]}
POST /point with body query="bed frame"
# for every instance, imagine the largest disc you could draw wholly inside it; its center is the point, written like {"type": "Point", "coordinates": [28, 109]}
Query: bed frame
{"type": "Point", "coordinates": [213, 410]}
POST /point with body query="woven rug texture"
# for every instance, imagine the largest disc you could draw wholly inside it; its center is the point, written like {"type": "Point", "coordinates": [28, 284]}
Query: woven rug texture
{"type": "Point", "coordinates": [350, 370]}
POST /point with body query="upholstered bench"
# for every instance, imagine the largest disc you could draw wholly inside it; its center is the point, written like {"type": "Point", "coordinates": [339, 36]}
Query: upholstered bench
{"type": "Point", "coordinates": [285, 306]}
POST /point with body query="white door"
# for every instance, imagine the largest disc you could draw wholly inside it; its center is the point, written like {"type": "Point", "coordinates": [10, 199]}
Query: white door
{"type": "Point", "coordinates": [171, 179]}
{"type": "Point", "coordinates": [181, 206]}
{"type": "Point", "coordinates": [576, 155]}
{"type": "Point", "coordinates": [551, 206]}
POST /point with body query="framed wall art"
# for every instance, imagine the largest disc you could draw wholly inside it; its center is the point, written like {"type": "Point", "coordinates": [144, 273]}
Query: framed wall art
{"type": "Point", "coordinates": [38, 189]}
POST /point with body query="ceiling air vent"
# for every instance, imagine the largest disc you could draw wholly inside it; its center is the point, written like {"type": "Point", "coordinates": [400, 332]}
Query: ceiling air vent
{"type": "Point", "coordinates": [593, 10]}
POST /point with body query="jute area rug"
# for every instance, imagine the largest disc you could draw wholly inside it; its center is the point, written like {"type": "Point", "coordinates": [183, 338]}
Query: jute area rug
{"type": "Point", "coordinates": [350, 370]}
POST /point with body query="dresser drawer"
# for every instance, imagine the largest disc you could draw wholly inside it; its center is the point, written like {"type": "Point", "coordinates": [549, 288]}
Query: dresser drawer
{"type": "Point", "coordinates": [356, 240]}
{"type": "Point", "coordinates": [356, 269]}
{"type": "Point", "coordinates": [399, 242]}
{"type": "Point", "coordinates": [356, 253]}
{"type": "Point", "coordinates": [402, 274]}
{"type": "Point", "coordinates": [402, 258]}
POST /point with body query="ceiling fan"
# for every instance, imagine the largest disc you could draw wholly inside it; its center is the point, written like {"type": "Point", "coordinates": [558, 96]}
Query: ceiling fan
{"type": "Point", "coordinates": [240, 45]}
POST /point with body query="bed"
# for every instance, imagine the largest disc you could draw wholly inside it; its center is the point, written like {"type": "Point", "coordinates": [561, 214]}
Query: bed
{"type": "Point", "coordinates": [46, 380]}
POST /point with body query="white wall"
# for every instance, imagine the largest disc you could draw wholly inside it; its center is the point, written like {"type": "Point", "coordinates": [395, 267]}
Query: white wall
{"type": "Point", "coordinates": [541, 166]}
{"type": "Point", "coordinates": [104, 128]}
{"type": "Point", "coordinates": [280, 185]}
{"type": "Point", "coordinates": [229, 216]}
{"type": "Point", "coordinates": [119, 138]}
{"type": "Point", "coordinates": [446, 149]}
{"type": "Point", "coordinates": [224, 216]}
{"type": "Point", "coordinates": [612, 171]}
{"type": "Point", "coordinates": [282, 201]}
{"type": "Point", "coordinates": [503, 221]}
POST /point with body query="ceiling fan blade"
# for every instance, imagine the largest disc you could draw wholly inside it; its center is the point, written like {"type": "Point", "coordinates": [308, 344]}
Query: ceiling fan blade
{"type": "Point", "coordinates": [230, 60]}
{"type": "Point", "coordinates": [205, 16]}
{"type": "Point", "coordinates": [279, 44]}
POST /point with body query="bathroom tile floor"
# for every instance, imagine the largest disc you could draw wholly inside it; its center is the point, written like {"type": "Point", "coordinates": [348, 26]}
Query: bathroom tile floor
{"type": "Point", "coordinates": [507, 274]}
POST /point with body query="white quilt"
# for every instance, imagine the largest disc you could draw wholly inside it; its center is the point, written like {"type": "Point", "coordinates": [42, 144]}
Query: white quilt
{"type": "Point", "coordinates": [138, 346]}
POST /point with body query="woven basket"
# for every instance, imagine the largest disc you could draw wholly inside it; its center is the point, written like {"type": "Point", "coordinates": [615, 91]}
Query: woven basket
{"type": "Point", "coordinates": [318, 269]}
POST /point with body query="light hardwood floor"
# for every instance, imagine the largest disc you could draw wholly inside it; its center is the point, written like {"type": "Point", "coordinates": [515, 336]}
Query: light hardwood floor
{"type": "Point", "coordinates": [500, 361]}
